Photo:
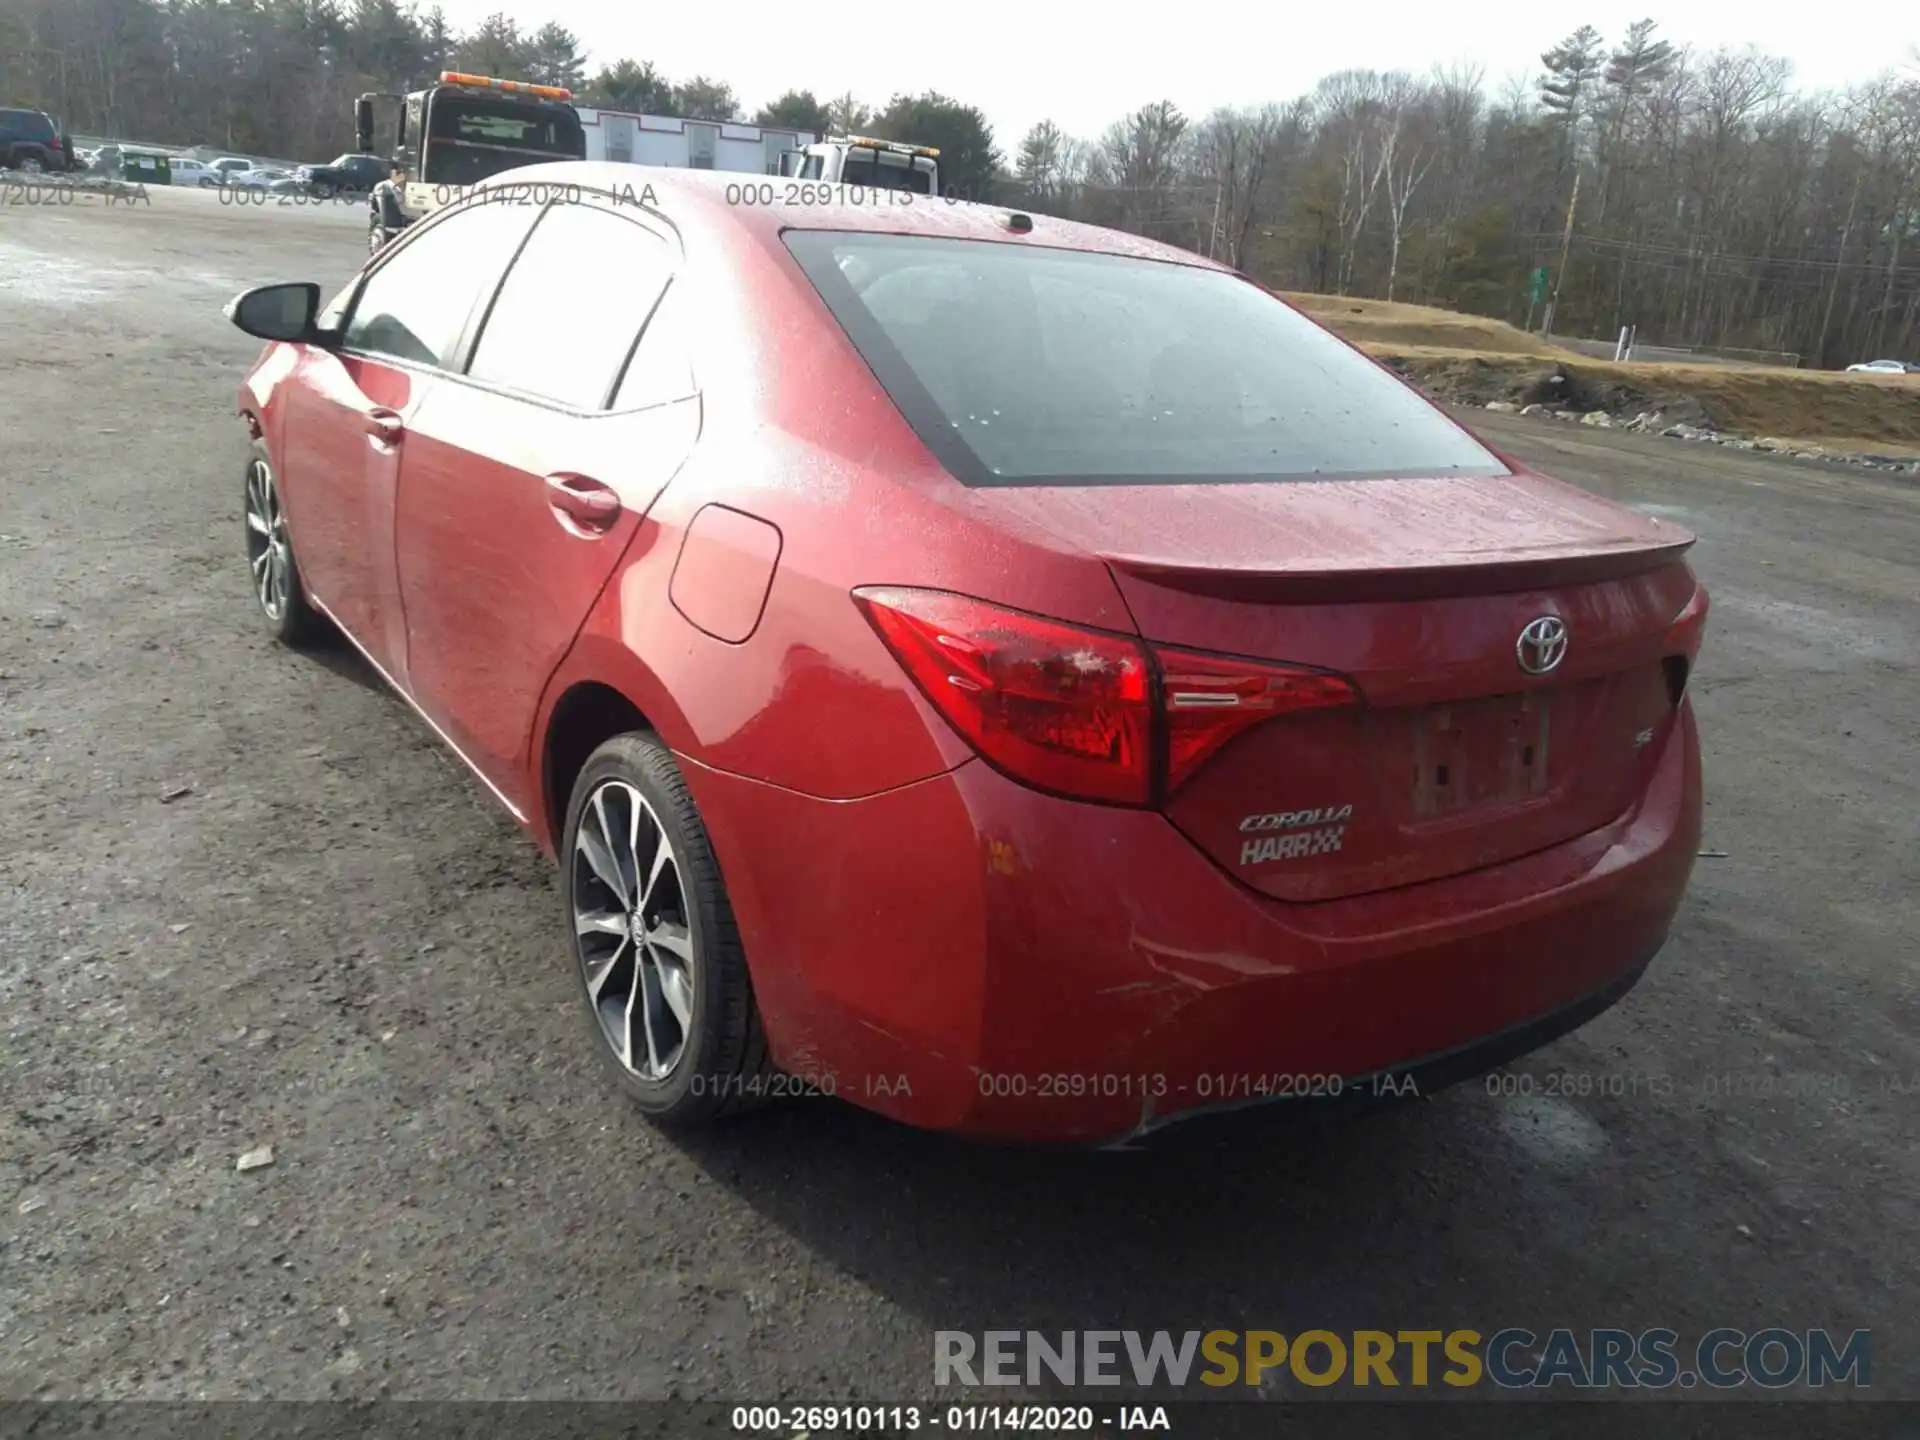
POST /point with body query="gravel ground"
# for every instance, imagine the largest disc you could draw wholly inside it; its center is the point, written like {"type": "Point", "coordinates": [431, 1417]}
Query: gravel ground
{"type": "Point", "coordinates": [246, 901]}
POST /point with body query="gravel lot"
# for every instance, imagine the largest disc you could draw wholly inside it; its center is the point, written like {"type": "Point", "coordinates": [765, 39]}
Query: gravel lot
{"type": "Point", "coordinates": [245, 900]}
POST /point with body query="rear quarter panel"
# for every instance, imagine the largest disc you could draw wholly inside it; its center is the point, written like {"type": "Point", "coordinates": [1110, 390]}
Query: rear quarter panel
{"type": "Point", "coordinates": [797, 433]}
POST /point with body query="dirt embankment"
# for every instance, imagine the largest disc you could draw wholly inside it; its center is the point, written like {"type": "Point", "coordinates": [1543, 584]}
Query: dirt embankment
{"type": "Point", "coordinates": [1399, 327]}
{"type": "Point", "coordinates": [1472, 360]}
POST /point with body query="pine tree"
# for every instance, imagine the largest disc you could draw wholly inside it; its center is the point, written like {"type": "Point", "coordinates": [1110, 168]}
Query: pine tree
{"type": "Point", "coordinates": [1567, 89]}
{"type": "Point", "coordinates": [554, 57]}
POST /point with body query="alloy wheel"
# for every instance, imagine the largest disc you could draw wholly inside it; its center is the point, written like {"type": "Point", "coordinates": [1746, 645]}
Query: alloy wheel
{"type": "Point", "coordinates": [632, 931]}
{"type": "Point", "coordinates": [269, 555]}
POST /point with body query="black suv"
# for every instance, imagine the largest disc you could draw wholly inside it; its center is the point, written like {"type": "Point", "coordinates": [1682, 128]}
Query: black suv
{"type": "Point", "coordinates": [347, 175]}
{"type": "Point", "coordinates": [28, 142]}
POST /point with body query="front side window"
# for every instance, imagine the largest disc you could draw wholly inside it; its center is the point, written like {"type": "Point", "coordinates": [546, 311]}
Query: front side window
{"type": "Point", "coordinates": [1018, 364]}
{"type": "Point", "coordinates": [414, 306]}
{"type": "Point", "coordinates": [566, 317]}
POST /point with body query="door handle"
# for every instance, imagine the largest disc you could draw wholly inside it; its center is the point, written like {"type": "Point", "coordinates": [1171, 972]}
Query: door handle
{"type": "Point", "coordinates": [583, 506]}
{"type": "Point", "coordinates": [385, 426]}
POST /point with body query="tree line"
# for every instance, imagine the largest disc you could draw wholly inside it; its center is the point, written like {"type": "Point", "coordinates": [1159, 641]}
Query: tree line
{"type": "Point", "coordinates": [1697, 195]}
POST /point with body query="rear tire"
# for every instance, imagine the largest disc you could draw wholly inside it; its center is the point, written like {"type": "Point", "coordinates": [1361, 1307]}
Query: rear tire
{"type": "Point", "coordinates": [30, 165]}
{"type": "Point", "coordinates": [377, 236]}
{"type": "Point", "coordinates": [272, 571]}
{"type": "Point", "coordinates": [656, 952]}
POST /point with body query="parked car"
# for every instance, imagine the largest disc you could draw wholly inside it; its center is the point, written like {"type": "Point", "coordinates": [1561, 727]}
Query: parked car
{"type": "Point", "coordinates": [344, 175]}
{"type": "Point", "coordinates": [256, 179]}
{"type": "Point", "coordinates": [32, 144]}
{"type": "Point", "coordinates": [1884, 367]}
{"type": "Point", "coordinates": [1020, 677]}
{"type": "Point", "coordinates": [189, 171]}
{"type": "Point", "coordinates": [227, 166]}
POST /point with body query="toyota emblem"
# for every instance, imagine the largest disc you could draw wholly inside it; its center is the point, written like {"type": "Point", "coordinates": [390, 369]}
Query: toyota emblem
{"type": "Point", "coordinates": [1542, 645]}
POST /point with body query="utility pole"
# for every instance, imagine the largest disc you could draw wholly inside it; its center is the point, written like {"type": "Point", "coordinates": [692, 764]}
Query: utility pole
{"type": "Point", "coordinates": [1566, 246]}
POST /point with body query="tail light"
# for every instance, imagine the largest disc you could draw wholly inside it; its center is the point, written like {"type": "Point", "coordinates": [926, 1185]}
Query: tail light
{"type": "Point", "coordinates": [1077, 712]}
{"type": "Point", "coordinates": [1683, 643]}
{"type": "Point", "coordinates": [1062, 709]}
{"type": "Point", "coordinates": [1209, 699]}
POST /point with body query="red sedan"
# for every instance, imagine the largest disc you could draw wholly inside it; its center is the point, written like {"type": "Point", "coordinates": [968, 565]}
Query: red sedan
{"type": "Point", "coordinates": [1018, 677]}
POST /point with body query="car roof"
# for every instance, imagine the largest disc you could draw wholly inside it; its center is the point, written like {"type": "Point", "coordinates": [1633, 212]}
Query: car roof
{"type": "Point", "coordinates": [713, 199]}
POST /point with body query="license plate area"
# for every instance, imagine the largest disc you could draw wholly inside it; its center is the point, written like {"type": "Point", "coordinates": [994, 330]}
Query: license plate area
{"type": "Point", "coordinates": [1481, 753]}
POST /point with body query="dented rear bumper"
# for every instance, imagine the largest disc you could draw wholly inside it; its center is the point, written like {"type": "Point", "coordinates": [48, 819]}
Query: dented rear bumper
{"type": "Point", "coordinates": [970, 955]}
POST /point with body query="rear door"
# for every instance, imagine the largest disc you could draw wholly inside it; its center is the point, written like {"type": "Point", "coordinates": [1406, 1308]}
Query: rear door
{"type": "Point", "coordinates": [525, 479]}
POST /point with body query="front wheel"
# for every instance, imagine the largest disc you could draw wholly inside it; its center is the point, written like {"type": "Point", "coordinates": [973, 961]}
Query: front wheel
{"type": "Point", "coordinates": [270, 564]}
{"type": "Point", "coordinates": [377, 236]}
{"type": "Point", "coordinates": [655, 947]}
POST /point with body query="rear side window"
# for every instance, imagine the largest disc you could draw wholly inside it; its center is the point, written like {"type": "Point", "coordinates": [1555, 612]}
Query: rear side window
{"type": "Point", "coordinates": [1019, 365]}
{"type": "Point", "coordinates": [29, 123]}
{"type": "Point", "coordinates": [567, 315]}
{"type": "Point", "coordinates": [661, 369]}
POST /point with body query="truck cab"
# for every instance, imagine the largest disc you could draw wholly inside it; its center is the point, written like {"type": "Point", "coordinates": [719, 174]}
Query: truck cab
{"type": "Point", "coordinates": [453, 135]}
{"type": "Point", "coordinates": [867, 162]}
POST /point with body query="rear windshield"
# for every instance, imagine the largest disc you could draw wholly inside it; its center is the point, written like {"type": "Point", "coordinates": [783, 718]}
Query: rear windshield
{"type": "Point", "coordinates": [501, 125]}
{"type": "Point", "coordinates": [1019, 365]}
{"type": "Point", "coordinates": [865, 167]}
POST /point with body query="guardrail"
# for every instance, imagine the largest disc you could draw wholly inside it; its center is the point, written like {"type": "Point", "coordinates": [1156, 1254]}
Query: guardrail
{"type": "Point", "coordinates": [1682, 354]}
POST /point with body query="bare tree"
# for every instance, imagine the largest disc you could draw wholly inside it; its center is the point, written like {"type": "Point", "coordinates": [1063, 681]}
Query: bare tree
{"type": "Point", "coordinates": [1408, 130]}
{"type": "Point", "coordinates": [1234, 152]}
{"type": "Point", "coordinates": [1141, 156]}
{"type": "Point", "coordinates": [1351, 121]}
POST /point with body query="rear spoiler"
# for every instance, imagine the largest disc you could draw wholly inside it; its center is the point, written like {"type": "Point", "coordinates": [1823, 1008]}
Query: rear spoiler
{"type": "Point", "coordinates": [1455, 575]}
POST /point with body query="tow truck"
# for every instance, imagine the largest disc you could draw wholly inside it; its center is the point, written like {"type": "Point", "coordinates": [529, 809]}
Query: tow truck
{"type": "Point", "coordinates": [453, 135]}
{"type": "Point", "coordinates": [864, 161]}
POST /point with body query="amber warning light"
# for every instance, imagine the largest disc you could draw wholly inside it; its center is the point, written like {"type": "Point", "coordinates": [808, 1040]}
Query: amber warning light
{"type": "Point", "coordinates": [518, 87]}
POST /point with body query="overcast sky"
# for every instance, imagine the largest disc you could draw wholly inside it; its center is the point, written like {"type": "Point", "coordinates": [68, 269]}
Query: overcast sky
{"type": "Point", "coordinates": [1021, 61]}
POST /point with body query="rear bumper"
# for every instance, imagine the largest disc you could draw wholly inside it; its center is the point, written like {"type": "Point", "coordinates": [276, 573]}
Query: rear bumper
{"type": "Point", "coordinates": [1395, 1085]}
{"type": "Point", "coordinates": [969, 955]}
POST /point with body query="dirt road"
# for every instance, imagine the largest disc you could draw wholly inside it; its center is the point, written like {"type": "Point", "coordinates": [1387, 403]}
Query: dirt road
{"type": "Point", "coordinates": [246, 901]}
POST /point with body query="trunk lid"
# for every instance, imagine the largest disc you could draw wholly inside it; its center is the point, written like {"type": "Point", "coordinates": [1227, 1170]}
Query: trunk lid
{"type": "Point", "coordinates": [1418, 591]}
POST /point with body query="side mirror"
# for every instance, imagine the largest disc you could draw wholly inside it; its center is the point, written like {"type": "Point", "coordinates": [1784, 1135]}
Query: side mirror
{"type": "Point", "coordinates": [277, 312]}
{"type": "Point", "coordinates": [363, 124]}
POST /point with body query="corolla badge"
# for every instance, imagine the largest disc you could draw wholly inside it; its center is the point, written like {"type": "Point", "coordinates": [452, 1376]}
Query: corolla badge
{"type": "Point", "coordinates": [1542, 644]}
